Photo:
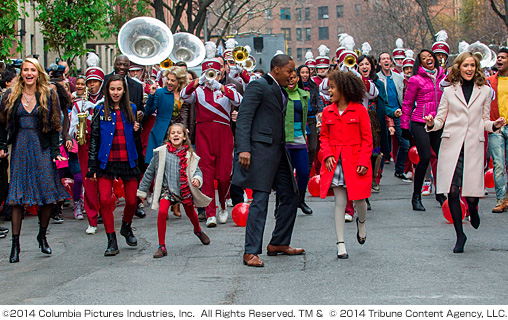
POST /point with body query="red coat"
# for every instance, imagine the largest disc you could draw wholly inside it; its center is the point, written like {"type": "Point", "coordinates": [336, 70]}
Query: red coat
{"type": "Point", "coordinates": [349, 137]}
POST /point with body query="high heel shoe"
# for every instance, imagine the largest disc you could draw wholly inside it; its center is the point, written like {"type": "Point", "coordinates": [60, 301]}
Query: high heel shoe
{"type": "Point", "coordinates": [15, 249]}
{"type": "Point", "coordinates": [416, 201]}
{"type": "Point", "coordinates": [43, 242]}
{"type": "Point", "coordinates": [459, 245]}
{"type": "Point", "coordinates": [441, 198]}
{"type": "Point", "coordinates": [361, 240]}
{"type": "Point", "coordinates": [344, 255]}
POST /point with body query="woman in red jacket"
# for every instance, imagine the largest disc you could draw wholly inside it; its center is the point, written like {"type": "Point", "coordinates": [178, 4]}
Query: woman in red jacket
{"type": "Point", "coordinates": [346, 146]}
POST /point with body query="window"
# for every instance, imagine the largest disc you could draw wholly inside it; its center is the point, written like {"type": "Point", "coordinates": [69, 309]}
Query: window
{"type": "Point", "coordinates": [287, 33]}
{"type": "Point", "coordinates": [298, 34]}
{"type": "Point", "coordinates": [285, 14]}
{"type": "Point", "coordinates": [323, 33]}
{"type": "Point", "coordinates": [299, 53]}
{"type": "Point", "coordinates": [358, 9]}
{"type": "Point", "coordinates": [289, 52]}
{"type": "Point", "coordinates": [307, 13]}
{"type": "Point", "coordinates": [298, 13]}
{"type": "Point", "coordinates": [340, 29]}
{"type": "Point", "coordinates": [307, 34]}
{"type": "Point", "coordinates": [322, 13]}
{"type": "Point", "coordinates": [268, 14]}
{"type": "Point", "coordinates": [268, 30]}
{"type": "Point", "coordinates": [340, 11]}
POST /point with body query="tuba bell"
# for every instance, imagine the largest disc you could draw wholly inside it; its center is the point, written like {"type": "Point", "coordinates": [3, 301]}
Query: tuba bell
{"type": "Point", "coordinates": [145, 41]}
{"type": "Point", "coordinates": [250, 63]}
{"type": "Point", "coordinates": [240, 54]}
{"type": "Point", "coordinates": [482, 52]}
{"type": "Point", "coordinates": [188, 48]}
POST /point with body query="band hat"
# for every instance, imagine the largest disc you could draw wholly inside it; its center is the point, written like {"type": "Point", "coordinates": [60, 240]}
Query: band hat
{"type": "Point", "coordinates": [344, 53]}
{"type": "Point", "coordinates": [441, 47]}
{"type": "Point", "coordinates": [211, 64]}
{"type": "Point", "coordinates": [94, 73]}
{"type": "Point", "coordinates": [228, 55]}
{"type": "Point", "coordinates": [310, 63]}
{"type": "Point", "coordinates": [322, 62]}
{"type": "Point", "coordinates": [153, 73]}
{"type": "Point", "coordinates": [339, 51]}
{"type": "Point", "coordinates": [399, 52]}
{"type": "Point", "coordinates": [408, 62]}
{"type": "Point", "coordinates": [135, 66]}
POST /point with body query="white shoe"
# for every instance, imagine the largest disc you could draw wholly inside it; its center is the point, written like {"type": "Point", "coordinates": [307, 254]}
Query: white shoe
{"type": "Point", "coordinates": [211, 222]}
{"type": "Point", "coordinates": [427, 188]}
{"type": "Point", "coordinates": [348, 217]}
{"type": "Point", "coordinates": [229, 203]}
{"type": "Point", "coordinates": [91, 230]}
{"type": "Point", "coordinates": [223, 216]}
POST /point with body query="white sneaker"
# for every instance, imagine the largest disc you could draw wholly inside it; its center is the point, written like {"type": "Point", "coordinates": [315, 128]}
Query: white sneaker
{"type": "Point", "coordinates": [211, 222]}
{"type": "Point", "coordinates": [223, 216]}
{"type": "Point", "coordinates": [91, 230]}
{"type": "Point", "coordinates": [409, 175]}
{"type": "Point", "coordinates": [427, 188]}
{"type": "Point", "coordinates": [348, 217]}
{"type": "Point", "coordinates": [229, 203]}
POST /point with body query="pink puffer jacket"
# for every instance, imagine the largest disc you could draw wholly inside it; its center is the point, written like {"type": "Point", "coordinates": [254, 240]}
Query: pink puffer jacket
{"type": "Point", "coordinates": [424, 91]}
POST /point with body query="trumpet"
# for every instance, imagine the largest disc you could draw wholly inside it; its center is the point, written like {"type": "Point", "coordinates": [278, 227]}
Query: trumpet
{"type": "Point", "coordinates": [350, 61]}
{"type": "Point", "coordinates": [210, 74]}
{"type": "Point", "coordinates": [166, 64]}
{"type": "Point", "coordinates": [240, 54]}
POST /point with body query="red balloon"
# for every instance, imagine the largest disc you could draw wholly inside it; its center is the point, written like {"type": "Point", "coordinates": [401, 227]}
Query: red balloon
{"type": "Point", "coordinates": [489, 179]}
{"type": "Point", "coordinates": [249, 194]}
{"type": "Point", "coordinates": [118, 189]}
{"type": "Point", "coordinates": [32, 209]}
{"type": "Point", "coordinates": [446, 211]}
{"type": "Point", "coordinates": [314, 185]}
{"type": "Point", "coordinates": [413, 155]}
{"type": "Point", "coordinates": [240, 213]}
{"type": "Point", "coordinates": [68, 184]}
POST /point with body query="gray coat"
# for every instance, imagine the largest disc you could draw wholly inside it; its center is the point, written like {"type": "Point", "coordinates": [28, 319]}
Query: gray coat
{"type": "Point", "coordinates": [260, 131]}
{"type": "Point", "coordinates": [398, 80]}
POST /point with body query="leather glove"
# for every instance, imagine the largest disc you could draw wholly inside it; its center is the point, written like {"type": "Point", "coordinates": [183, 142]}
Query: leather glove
{"type": "Point", "coordinates": [215, 85]}
{"type": "Point", "coordinates": [406, 134]}
{"type": "Point", "coordinates": [202, 79]}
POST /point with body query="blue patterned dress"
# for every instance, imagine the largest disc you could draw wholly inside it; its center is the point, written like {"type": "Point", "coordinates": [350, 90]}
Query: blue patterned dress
{"type": "Point", "coordinates": [34, 179]}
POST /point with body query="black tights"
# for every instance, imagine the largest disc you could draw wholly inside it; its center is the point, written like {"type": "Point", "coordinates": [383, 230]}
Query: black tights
{"type": "Point", "coordinates": [424, 141]}
{"type": "Point", "coordinates": [456, 210]}
{"type": "Point", "coordinates": [17, 216]}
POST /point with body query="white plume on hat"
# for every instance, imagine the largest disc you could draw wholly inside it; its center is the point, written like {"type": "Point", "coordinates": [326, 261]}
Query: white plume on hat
{"type": "Point", "coordinates": [248, 48]}
{"type": "Point", "coordinates": [231, 43]}
{"type": "Point", "coordinates": [442, 36]}
{"type": "Point", "coordinates": [463, 46]}
{"type": "Point", "coordinates": [348, 42]}
{"type": "Point", "coordinates": [210, 49]}
{"type": "Point", "coordinates": [92, 60]}
{"type": "Point", "coordinates": [309, 55]}
{"type": "Point", "coordinates": [399, 44]}
{"type": "Point", "coordinates": [341, 37]}
{"type": "Point", "coordinates": [323, 50]}
{"type": "Point", "coordinates": [410, 54]}
{"type": "Point", "coordinates": [366, 48]}
{"type": "Point", "coordinates": [278, 52]}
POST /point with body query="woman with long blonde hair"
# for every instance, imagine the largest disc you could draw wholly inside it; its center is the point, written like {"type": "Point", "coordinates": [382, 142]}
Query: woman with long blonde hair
{"type": "Point", "coordinates": [30, 120]}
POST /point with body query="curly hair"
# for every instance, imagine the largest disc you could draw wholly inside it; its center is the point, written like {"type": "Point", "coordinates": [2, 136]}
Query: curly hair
{"type": "Point", "coordinates": [180, 74]}
{"type": "Point", "coordinates": [351, 87]}
{"type": "Point", "coordinates": [454, 77]}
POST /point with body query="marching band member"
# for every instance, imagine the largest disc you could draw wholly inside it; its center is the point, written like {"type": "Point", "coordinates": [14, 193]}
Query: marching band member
{"type": "Point", "coordinates": [322, 65]}
{"type": "Point", "coordinates": [311, 63]}
{"type": "Point", "coordinates": [398, 54]}
{"type": "Point", "coordinates": [441, 48]}
{"type": "Point", "coordinates": [407, 66]}
{"type": "Point", "coordinates": [214, 139]}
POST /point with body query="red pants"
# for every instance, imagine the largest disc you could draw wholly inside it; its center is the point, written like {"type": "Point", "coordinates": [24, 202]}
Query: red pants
{"type": "Point", "coordinates": [108, 201]}
{"type": "Point", "coordinates": [163, 216]}
{"type": "Point", "coordinates": [145, 133]}
{"type": "Point", "coordinates": [91, 199]}
{"type": "Point", "coordinates": [214, 144]}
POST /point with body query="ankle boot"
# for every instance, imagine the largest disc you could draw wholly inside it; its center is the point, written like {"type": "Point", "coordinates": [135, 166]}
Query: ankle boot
{"type": "Point", "coordinates": [441, 198]}
{"type": "Point", "coordinates": [43, 242]}
{"type": "Point", "coordinates": [126, 231]}
{"type": "Point", "coordinates": [417, 202]}
{"type": "Point", "coordinates": [15, 249]}
{"type": "Point", "coordinates": [112, 249]}
{"type": "Point", "coordinates": [302, 205]}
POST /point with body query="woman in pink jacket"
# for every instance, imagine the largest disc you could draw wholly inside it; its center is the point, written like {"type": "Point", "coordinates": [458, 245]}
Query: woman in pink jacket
{"type": "Point", "coordinates": [422, 99]}
{"type": "Point", "coordinates": [346, 147]}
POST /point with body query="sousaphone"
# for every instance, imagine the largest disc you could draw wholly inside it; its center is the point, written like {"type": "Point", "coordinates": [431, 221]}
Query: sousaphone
{"type": "Point", "coordinates": [187, 48]}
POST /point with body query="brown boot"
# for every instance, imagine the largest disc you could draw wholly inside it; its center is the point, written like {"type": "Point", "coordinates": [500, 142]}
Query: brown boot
{"type": "Point", "coordinates": [502, 206]}
{"type": "Point", "coordinates": [176, 210]}
{"type": "Point", "coordinates": [203, 237]}
{"type": "Point", "coordinates": [161, 252]}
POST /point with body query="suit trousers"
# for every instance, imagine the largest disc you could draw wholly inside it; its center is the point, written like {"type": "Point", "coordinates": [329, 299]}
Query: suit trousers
{"type": "Point", "coordinates": [285, 216]}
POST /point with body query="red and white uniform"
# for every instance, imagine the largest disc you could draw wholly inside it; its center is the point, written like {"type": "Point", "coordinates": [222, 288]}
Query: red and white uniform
{"type": "Point", "coordinates": [371, 91]}
{"type": "Point", "coordinates": [214, 139]}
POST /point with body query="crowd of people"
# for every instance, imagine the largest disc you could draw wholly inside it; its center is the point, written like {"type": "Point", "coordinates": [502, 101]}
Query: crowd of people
{"type": "Point", "coordinates": [174, 137]}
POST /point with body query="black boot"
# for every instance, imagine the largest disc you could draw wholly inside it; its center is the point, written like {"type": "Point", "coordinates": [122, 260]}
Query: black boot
{"type": "Point", "coordinates": [126, 231]}
{"type": "Point", "coordinates": [43, 242]}
{"type": "Point", "coordinates": [302, 205]}
{"type": "Point", "coordinates": [15, 249]}
{"type": "Point", "coordinates": [417, 202]}
{"type": "Point", "coordinates": [140, 213]}
{"type": "Point", "coordinates": [441, 198]}
{"type": "Point", "coordinates": [112, 249]}
{"type": "Point", "coordinates": [369, 207]}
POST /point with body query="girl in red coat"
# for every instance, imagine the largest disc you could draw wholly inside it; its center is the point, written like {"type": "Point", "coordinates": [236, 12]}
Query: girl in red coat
{"type": "Point", "coordinates": [346, 146]}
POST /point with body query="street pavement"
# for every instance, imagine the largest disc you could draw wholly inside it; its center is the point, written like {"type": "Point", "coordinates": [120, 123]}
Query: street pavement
{"type": "Point", "coordinates": [407, 259]}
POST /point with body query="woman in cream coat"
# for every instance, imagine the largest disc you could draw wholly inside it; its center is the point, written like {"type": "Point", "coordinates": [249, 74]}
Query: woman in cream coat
{"type": "Point", "coordinates": [464, 115]}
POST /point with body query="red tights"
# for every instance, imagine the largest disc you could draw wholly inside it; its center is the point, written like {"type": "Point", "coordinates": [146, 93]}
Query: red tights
{"type": "Point", "coordinates": [163, 216]}
{"type": "Point", "coordinates": [107, 202]}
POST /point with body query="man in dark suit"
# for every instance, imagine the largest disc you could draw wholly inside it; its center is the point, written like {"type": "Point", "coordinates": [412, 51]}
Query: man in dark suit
{"type": "Point", "coordinates": [135, 89]}
{"type": "Point", "coordinates": [264, 163]}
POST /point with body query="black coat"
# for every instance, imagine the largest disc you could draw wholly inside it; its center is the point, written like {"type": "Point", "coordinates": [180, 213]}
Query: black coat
{"type": "Point", "coordinates": [135, 91]}
{"type": "Point", "coordinates": [260, 130]}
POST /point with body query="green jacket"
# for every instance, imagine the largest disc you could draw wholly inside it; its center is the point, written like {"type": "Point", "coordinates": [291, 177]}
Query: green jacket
{"type": "Point", "coordinates": [290, 114]}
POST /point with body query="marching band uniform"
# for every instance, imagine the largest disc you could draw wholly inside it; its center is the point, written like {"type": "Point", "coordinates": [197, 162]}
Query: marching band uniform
{"type": "Point", "coordinates": [398, 53]}
{"type": "Point", "coordinates": [214, 139]}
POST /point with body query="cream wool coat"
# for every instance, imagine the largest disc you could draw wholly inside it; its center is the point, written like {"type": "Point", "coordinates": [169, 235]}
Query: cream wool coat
{"type": "Point", "coordinates": [198, 198]}
{"type": "Point", "coordinates": [464, 124]}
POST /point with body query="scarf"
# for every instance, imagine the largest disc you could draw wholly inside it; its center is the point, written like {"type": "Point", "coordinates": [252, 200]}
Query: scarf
{"type": "Point", "coordinates": [184, 181]}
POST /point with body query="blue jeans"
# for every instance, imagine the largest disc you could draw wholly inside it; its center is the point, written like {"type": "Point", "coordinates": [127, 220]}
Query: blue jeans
{"type": "Point", "coordinates": [498, 146]}
{"type": "Point", "coordinates": [403, 147]}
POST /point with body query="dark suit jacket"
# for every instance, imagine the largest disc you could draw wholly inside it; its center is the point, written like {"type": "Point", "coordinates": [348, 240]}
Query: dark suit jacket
{"type": "Point", "coordinates": [260, 131]}
{"type": "Point", "coordinates": [135, 91]}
